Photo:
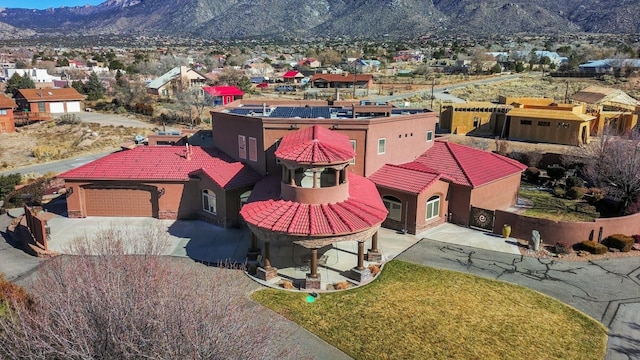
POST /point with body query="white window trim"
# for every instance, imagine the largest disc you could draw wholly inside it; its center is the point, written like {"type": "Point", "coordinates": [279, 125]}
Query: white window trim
{"type": "Point", "coordinates": [431, 203]}
{"type": "Point", "coordinates": [384, 142]}
{"type": "Point", "coordinates": [253, 149]}
{"type": "Point", "coordinates": [210, 197]}
{"type": "Point", "coordinates": [429, 136]}
{"type": "Point", "coordinates": [242, 147]}
{"type": "Point", "coordinates": [386, 200]}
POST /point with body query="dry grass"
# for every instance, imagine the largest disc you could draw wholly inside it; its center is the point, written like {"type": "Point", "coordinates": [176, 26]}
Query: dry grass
{"type": "Point", "coordinates": [547, 206]}
{"type": "Point", "coordinates": [47, 141]}
{"type": "Point", "coordinates": [416, 312]}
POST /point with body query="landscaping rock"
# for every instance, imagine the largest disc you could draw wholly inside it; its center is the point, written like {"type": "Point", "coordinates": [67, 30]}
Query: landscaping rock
{"type": "Point", "coordinates": [636, 247]}
{"type": "Point", "coordinates": [614, 250]}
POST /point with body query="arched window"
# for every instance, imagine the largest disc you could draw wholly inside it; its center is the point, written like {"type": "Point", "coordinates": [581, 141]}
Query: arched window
{"type": "Point", "coordinates": [394, 206]}
{"type": "Point", "coordinates": [209, 201]}
{"type": "Point", "coordinates": [433, 207]}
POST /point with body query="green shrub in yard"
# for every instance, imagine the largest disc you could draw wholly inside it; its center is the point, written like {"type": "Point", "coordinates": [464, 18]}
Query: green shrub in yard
{"type": "Point", "coordinates": [592, 247]}
{"type": "Point", "coordinates": [556, 172]}
{"type": "Point", "coordinates": [68, 119]}
{"type": "Point", "coordinates": [575, 193]}
{"type": "Point", "coordinates": [619, 241]}
{"type": "Point", "coordinates": [8, 183]}
{"type": "Point", "coordinates": [532, 173]}
{"type": "Point", "coordinates": [574, 181]}
{"type": "Point", "coordinates": [558, 191]}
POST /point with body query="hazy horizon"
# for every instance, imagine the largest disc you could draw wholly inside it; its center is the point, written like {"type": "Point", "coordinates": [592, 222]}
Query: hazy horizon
{"type": "Point", "coordinates": [46, 4]}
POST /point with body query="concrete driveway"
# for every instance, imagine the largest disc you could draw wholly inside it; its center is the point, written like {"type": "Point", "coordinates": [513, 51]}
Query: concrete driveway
{"type": "Point", "coordinates": [607, 290]}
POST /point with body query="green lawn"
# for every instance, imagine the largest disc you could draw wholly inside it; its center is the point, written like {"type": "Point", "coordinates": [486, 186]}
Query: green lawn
{"type": "Point", "coordinates": [548, 206]}
{"type": "Point", "coordinates": [417, 312]}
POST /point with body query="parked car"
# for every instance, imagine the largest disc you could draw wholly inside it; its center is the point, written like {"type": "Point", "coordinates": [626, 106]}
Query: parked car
{"type": "Point", "coordinates": [263, 85]}
{"type": "Point", "coordinates": [285, 88]}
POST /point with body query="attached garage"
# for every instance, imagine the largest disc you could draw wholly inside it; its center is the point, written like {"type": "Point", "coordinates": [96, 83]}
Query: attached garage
{"type": "Point", "coordinates": [56, 107]}
{"type": "Point", "coordinates": [73, 106]}
{"type": "Point", "coordinates": [118, 202]}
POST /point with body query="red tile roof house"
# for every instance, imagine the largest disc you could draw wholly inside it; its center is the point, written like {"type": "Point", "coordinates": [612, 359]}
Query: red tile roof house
{"type": "Point", "coordinates": [314, 201]}
{"type": "Point", "coordinates": [7, 122]}
{"type": "Point", "coordinates": [39, 104]}
{"type": "Point", "coordinates": [292, 77]}
{"type": "Point", "coordinates": [223, 95]}
{"type": "Point", "coordinates": [165, 182]}
{"type": "Point", "coordinates": [449, 182]}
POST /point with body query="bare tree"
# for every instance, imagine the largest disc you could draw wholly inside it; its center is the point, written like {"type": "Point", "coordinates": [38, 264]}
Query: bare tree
{"type": "Point", "coordinates": [613, 164]}
{"type": "Point", "coordinates": [230, 76]}
{"type": "Point", "coordinates": [103, 304]}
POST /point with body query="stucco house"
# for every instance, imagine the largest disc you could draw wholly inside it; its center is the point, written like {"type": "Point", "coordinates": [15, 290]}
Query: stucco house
{"type": "Point", "coordinates": [7, 122]}
{"type": "Point", "coordinates": [449, 182]}
{"type": "Point", "coordinates": [613, 108]}
{"type": "Point", "coordinates": [178, 79]}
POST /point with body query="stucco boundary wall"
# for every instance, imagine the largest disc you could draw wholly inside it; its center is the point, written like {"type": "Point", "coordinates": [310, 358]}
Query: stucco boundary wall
{"type": "Point", "coordinates": [570, 233]}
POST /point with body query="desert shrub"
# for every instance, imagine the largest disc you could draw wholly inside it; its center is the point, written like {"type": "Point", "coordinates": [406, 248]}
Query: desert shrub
{"type": "Point", "coordinates": [562, 248]}
{"type": "Point", "coordinates": [343, 285]}
{"type": "Point", "coordinates": [559, 191]}
{"type": "Point", "coordinates": [595, 195]}
{"type": "Point", "coordinates": [287, 285]}
{"type": "Point", "coordinates": [68, 119]}
{"type": "Point", "coordinates": [13, 295]}
{"type": "Point", "coordinates": [532, 174]}
{"type": "Point", "coordinates": [556, 172]}
{"type": "Point", "coordinates": [619, 241]}
{"type": "Point", "coordinates": [574, 181]}
{"type": "Point", "coordinates": [502, 146]}
{"type": "Point", "coordinates": [46, 152]}
{"type": "Point", "coordinates": [592, 247]}
{"type": "Point", "coordinates": [575, 193]}
{"type": "Point", "coordinates": [633, 208]}
{"type": "Point", "coordinates": [8, 183]}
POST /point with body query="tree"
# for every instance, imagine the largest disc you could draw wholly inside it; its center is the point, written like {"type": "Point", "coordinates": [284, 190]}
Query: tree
{"type": "Point", "coordinates": [519, 67]}
{"type": "Point", "coordinates": [613, 164]}
{"type": "Point", "coordinates": [17, 82]}
{"type": "Point", "coordinates": [496, 69]}
{"type": "Point", "coordinates": [104, 303]}
{"type": "Point", "coordinates": [193, 98]}
{"type": "Point", "coordinates": [230, 76]}
{"type": "Point", "coordinates": [94, 88]}
{"type": "Point", "coordinates": [78, 85]}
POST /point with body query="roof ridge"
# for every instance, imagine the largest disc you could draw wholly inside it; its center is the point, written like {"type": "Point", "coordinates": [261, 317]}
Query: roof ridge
{"type": "Point", "coordinates": [462, 169]}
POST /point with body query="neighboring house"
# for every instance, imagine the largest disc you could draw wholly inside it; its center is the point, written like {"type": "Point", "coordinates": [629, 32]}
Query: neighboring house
{"type": "Point", "coordinates": [620, 67]}
{"type": "Point", "coordinates": [258, 69]}
{"type": "Point", "coordinates": [292, 77]}
{"type": "Point", "coordinates": [612, 108]}
{"type": "Point", "coordinates": [7, 121]}
{"type": "Point", "coordinates": [472, 118]}
{"type": "Point", "coordinates": [366, 66]}
{"type": "Point", "coordinates": [564, 124]}
{"type": "Point", "coordinates": [310, 63]}
{"type": "Point", "coordinates": [313, 201]}
{"type": "Point", "coordinates": [344, 80]}
{"type": "Point", "coordinates": [165, 182]}
{"type": "Point", "coordinates": [178, 79]}
{"type": "Point", "coordinates": [37, 75]}
{"type": "Point", "coordinates": [449, 182]}
{"type": "Point", "coordinates": [48, 101]}
{"type": "Point", "coordinates": [223, 95]}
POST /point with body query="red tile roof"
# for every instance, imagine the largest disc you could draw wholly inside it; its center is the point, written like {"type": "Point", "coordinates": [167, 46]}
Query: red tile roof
{"type": "Point", "coordinates": [315, 145]}
{"type": "Point", "coordinates": [165, 163]}
{"type": "Point", "coordinates": [35, 95]}
{"type": "Point", "coordinates": [6, 102]}
{"type": "Point", "coordinates": [362, 210]}
{"type": "Point", "coordinates": [292, 74]}
{"type": "Point", "coordinates": [223, 91]}
{"type": "Point", "coordinates": [415, 177]}
{"type": "Point", "coordinates": [468, 166]}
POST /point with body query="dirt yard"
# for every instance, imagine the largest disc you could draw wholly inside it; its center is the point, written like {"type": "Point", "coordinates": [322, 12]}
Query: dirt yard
{"type": "Point", "coordinates": [42, 142]}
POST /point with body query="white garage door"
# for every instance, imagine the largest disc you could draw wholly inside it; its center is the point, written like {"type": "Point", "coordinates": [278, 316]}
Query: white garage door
{"type": "Point", "coordinates": [56, 107]}
{"type": "Point", "coordinates": [73, 106]}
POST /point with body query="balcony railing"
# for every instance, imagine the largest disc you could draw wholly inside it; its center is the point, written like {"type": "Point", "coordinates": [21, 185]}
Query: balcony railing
{"type": "Point", "coordinates": [25, 118]}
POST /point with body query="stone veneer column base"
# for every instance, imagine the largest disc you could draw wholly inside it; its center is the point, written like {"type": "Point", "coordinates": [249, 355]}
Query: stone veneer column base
{"type": "Point", "coordinates": [374, 256]}
{"type": "Point", "coordinates": [267, 274]}
{"type": "Point", "coordinates": [361, 275]}
{"type": "Point", "coordinates": [312, 283]}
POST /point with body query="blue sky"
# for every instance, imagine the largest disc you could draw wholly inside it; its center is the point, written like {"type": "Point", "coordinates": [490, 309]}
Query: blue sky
{"type": "Point", "coordinates": [45, 4]}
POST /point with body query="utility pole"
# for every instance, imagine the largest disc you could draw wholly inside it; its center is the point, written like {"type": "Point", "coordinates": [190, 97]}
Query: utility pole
{"type": "Point", "coordinates": [433, 83]}
{"type": "Point", "coordinates": [566, 93]}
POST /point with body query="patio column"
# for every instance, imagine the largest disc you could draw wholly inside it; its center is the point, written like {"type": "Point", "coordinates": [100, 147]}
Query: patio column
{"type": "Point", "coordinates": [337, 171]}
{"type": "Point", "coordinates": [267, 255]}
{"type": "Point", "coordinates": [254, 243]}
{"type": "Point", "coordinates": [315, 179]}
{"type": "Point", "coordinates": [292, 178]}
{"type": "Point", "coordinates": [360, 255]}
{"type": "Point", "coordinates": [374, 242]}
{"type": "Point", "coordinates": [314, 263]}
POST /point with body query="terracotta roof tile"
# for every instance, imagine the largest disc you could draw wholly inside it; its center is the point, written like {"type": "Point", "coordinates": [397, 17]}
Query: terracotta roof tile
{"type": "Point", "coordinates": [33, 95]}
{"type": "Point", "coordinates": [415, 177]}
{"type": "Point", "coordinates": [359, 212]}
{"type": "Point", "coordinates": [315, 145]}
{"type": "Point", "coordinates": [165, 163]}
{"type": "Point", "coordinates": [6, 102]}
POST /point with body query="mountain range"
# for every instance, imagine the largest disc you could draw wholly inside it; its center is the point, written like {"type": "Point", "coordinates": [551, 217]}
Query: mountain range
{"type": "Point", "coordinates": [227, 19]}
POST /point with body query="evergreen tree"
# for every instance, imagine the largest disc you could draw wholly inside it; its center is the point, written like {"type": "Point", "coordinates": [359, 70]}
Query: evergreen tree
{"type": "Point", "coordinates": [94, 88]}
{"type": "Point", "coordinates": [17, 82]}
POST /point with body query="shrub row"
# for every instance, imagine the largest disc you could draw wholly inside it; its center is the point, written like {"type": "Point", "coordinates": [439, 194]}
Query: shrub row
{"type": "Point", "coordinates": [619, 241]}
{"type": "Point", "coordinates": [592, 247]}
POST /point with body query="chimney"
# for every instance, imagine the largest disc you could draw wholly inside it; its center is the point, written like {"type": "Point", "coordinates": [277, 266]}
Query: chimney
{"type": "Point", "coordinates": [188, 154]}
{"type": "Point", "coordinates": [40, 92]}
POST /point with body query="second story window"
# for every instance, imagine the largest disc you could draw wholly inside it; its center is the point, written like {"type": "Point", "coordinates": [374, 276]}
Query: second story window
{"type": "Point", "coordinates": [242, 147]}
{"type": "Point", "coordinates": [429, 135]}
{"type": "Point", "coordinates": [382, 146]}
